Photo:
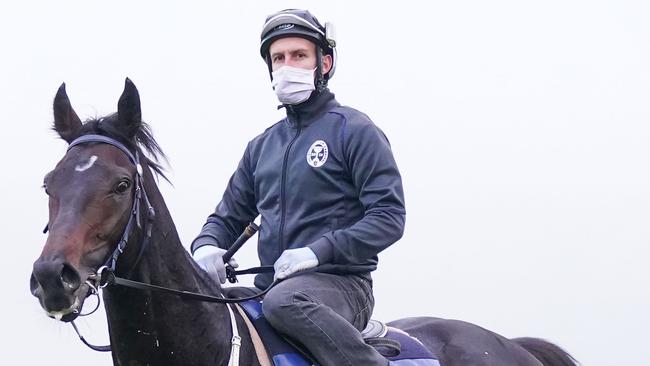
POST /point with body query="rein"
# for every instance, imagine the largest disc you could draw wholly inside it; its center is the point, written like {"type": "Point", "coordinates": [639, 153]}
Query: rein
{"type": "Point", "coordinates": [106, 277]}
{"type": "Point", "coordinates": [106, 273]}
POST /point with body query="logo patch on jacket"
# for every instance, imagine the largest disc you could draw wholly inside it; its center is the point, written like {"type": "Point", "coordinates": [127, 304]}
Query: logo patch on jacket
{"type": "Point", "coordinates": [317, 154]}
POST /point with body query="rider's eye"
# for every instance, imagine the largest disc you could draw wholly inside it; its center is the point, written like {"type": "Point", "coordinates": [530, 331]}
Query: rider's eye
{"type": "Point", "coordinates": [122, 186]}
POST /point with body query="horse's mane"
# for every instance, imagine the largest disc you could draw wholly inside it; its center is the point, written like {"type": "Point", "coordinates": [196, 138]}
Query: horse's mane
{"type": "Point", "coordinates": [142, 141]}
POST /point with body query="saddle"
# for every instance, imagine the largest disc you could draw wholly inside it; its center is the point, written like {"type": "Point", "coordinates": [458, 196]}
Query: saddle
{"type": "Point", "coordinates": [394, 344]}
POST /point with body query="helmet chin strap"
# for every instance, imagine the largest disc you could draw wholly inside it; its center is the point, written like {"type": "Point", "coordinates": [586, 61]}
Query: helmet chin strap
{"type": "Point", "coordinates": [321, 81]}
{"type": "Point", "coordinates": [268, 65]}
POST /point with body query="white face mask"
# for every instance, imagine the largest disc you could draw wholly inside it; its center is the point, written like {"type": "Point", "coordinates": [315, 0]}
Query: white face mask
{"type": "Point", "coordinates": [293, 85]}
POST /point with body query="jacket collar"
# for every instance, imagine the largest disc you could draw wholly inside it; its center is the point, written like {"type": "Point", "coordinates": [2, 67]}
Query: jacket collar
{"type": "Point", "coordinates": [305, 113]}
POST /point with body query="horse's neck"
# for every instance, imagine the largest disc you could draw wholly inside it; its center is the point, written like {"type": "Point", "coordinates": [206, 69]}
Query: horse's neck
{"type": "Point", "coordinates": [165, 329]}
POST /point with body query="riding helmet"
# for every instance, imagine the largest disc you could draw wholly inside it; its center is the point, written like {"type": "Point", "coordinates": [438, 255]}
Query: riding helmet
{"type": "Point", "coordinates": [299, 23]}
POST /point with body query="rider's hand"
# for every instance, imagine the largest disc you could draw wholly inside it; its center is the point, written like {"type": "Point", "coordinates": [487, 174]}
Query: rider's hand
{"type": "Point", "coordinates": [294, 260]}
{"type": "Point", "coordinates": [209, 257]}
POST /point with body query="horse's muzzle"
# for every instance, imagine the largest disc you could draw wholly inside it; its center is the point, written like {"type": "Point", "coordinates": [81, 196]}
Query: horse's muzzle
{"type": "Point", "coordinates": [55, 283]}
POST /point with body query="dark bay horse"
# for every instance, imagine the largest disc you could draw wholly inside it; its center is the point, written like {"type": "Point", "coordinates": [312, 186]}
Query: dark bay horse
{"type": "Point", "coordinates": [94, 191]}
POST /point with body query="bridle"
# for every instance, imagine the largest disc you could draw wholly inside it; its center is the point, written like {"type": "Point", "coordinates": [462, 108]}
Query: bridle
{"type": "Point", "coordinates": [105, 275]}
{"type": "Point", "coordinates": [139, 196]}
{"type": "Point", "coordinates": [135, 218]}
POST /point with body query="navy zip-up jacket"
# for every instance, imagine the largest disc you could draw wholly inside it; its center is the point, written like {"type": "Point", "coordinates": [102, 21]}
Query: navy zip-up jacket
{"type": "Point", "coordinates": [324, 177]}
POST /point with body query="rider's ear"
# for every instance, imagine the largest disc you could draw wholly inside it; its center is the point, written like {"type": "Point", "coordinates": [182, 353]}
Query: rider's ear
{"type": "Point", "coordinates": [66, 122]}
{"type": "Point", "coordinates": [128, 109]}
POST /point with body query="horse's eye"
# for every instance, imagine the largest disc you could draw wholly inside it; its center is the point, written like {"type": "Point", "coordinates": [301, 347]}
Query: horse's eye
{"type": "Point", "coordinates": [122, 186]}
{"type": "Point", "coordinates": [45, 180]}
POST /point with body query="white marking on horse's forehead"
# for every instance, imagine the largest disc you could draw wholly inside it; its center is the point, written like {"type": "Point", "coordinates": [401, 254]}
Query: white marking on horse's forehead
{"type": "Point", "coordinates": [86, 165]}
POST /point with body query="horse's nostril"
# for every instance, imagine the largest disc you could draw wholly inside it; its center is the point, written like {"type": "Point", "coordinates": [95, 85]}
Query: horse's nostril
{"type": "Point", "coordinates": [52, 276]}
{"type": "Point", "coordinates": [70, 277]}
{"type": "Point", "coordinates": [33, 284]}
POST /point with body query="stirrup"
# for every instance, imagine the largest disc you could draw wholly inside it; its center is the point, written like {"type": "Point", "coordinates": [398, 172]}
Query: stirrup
{"type": "Point", "coordinates": [374, 329]}
{"type": "Point", "coordinates": [385, 346]}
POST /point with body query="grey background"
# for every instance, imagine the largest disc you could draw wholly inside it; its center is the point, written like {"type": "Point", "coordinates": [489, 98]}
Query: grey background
{"type": "Point", "coordinates": [521, 130]}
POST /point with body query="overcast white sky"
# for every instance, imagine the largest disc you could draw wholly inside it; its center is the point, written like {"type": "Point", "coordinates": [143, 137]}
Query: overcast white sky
{"type": "Point", "coordinates": [520, 128]}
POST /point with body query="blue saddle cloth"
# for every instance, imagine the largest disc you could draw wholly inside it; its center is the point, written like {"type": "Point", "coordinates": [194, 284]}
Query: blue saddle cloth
{"type": "Point", "coordinates": [282, 353]}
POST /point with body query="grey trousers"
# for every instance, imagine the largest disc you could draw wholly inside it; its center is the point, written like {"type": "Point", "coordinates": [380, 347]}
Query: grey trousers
{"type": "Point", "coordinates": [325, 313]}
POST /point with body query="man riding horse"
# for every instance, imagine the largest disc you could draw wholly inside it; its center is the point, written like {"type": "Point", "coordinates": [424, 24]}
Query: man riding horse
{"type": "Point", "coordinates": [329, 193]}
{"type": "Point", "coordinates": [326, 186]}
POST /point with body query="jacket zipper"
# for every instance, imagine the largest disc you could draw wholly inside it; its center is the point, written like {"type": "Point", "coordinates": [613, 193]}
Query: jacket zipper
{"type": "Point", "coordinates": [283, 203]}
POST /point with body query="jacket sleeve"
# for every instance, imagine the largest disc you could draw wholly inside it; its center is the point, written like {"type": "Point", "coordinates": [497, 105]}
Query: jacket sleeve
{"type": "Point", "coordinates": [374, 173]}
{"type": "Point", "coordinates": [236, 209]}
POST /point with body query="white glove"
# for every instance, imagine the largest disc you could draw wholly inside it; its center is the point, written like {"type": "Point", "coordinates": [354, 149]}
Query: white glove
{"type": "Point", "coordinates": [209, 257]}
{"type": "Point", "coordinates": [294, 260]}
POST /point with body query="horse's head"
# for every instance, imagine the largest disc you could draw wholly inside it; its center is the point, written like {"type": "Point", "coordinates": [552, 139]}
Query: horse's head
{"type": "Point", "coordinates": [91, 194]}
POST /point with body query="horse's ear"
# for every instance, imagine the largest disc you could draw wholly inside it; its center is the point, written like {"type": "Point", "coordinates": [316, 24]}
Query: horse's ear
{"type": "Point", "coordinates": [128, 109]}
{"type": "Point", "coordinates": [66, 122]}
